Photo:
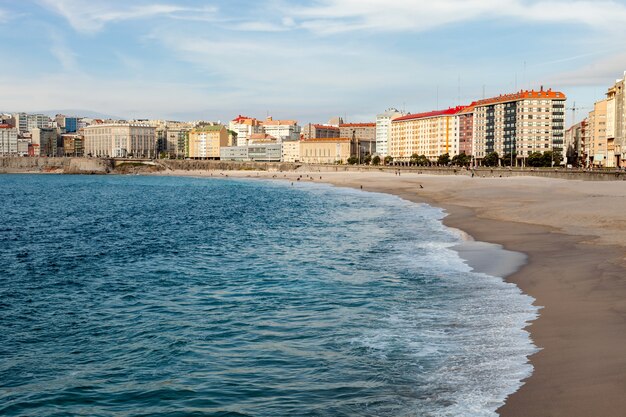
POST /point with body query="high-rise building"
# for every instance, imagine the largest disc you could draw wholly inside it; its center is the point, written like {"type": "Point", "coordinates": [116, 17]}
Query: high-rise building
{"type": "Point", "coordinates": [598, 153]}
{"type": "Point", "coordinates": [616, 120]}
{"type": "Point", "coordinates": [519, 124]}
{"type": "Point", "coordinates": [71, 124]}
{"type": "Point", "coordinates": [383, 129]}
{"type": "Point", "coordinates": [8, 140]}
{"type": "Point", "coordinates": [120, 140]}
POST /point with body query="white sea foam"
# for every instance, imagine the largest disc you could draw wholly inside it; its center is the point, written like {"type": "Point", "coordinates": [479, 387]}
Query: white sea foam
{"type": "Point", "coordinates": [470, 335]}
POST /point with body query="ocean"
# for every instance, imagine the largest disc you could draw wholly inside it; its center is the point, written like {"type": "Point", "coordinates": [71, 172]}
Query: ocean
{"type": "Point", "coordinates": [142, 296]}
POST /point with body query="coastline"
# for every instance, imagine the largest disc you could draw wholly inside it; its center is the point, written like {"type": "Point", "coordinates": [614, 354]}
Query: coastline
{"type": "Point", "coordinates": [574, 236]}
{"type": "Point", "coordinates": [574, 275]}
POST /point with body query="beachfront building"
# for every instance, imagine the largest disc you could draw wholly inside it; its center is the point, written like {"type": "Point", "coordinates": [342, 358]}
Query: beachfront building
{"type": "Point", "coordinates": [205, 142]}
{"type": "Point", "coordinates": [519, 124]}
{"type": "Point", "coordinates": [364, 134]}
{"type": "Point", "coordinates": [430, 134]}
{"type": "Point", "coordinates": [313, 131]}
{"type": "Point", "coordinates": [465, 122]}
{"type": "Point", "coordinates": [120, 140]}
{"type": "Point", "coordinates": [327, 150]}
{"type": "Point", "coordinates": [291, 151]}
{"type": "Point", "coordinates": [616, 121]}
{"type": "Point", "coordinates": [172, 137]}
{"type": "Point", "coordinates": [45, 141]}
{"type": "Point", "coordinates": [599, 154]}
{"type": "Point", "coordinates": [282, 130]}
{"type": "Point", "coordinates": [8, 140]}
{"type": "Point", "coordinates": [575, 140]}
{"type": "Point", "coordinates": [383, 129]}
{"type": "Point", "coordinates": [243, 127]}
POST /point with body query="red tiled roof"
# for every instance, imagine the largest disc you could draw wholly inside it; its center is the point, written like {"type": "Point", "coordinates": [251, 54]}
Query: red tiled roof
{"type": "Point", "coordinates": [327, 140]}
{"type": "Point", "coordinates": [241, 118]}
{"type": "Point", "coordinates": [5, 127]}
{"type": "Point", "coordinates": [521, 95]}
{"type": "Point", "coordinates": [325, 127]}
{"type": "Point", "coordinates": [358, 125]}
{"type": "Point", "coordinates": [449, 112]}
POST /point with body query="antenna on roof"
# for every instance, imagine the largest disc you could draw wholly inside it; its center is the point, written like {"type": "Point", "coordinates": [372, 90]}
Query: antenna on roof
{"type": "Point", "coordinates": [437, 96]}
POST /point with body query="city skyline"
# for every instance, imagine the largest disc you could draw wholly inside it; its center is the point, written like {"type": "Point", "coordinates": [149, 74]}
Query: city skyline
{"type": "Point", "coordinates": [188, 60]}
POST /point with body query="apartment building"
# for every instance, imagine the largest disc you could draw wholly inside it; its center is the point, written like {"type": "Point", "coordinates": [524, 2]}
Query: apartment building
{"type": "Point", "coordinates": [8, 140]}
{"type": "Point", "coordinates": [27, 122]}
{"type": "Point", "coordinates": [383, 129]}
{"type": "Point", "coordinates": [45, 140]}
{"type": "Point", "coordinates": [243, 127]}
{"type": "Point", "coordinates": [520, 123]}
{"type": "Point", "coordinates": [327, 150]}
{"type": "Point", "coordinates": [291, 151]}
{"type": "Point", "coordinates": [465, 122]}
{"type": "Point", "coordinates": [205, 142]}
{"type": "Point", "coordinates": [431, 134]}
{"type": "Point", "coordinates": [282, 130]}
{"type": "Point", "coordinates": [120, 140]}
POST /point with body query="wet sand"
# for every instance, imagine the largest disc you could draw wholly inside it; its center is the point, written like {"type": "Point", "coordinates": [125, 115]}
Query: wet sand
{"type": "Point", "coordinates": [574, 236]}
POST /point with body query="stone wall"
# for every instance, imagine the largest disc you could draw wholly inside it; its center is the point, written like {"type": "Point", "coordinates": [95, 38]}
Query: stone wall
{"type": "Point", "coordinates": [55, 165]}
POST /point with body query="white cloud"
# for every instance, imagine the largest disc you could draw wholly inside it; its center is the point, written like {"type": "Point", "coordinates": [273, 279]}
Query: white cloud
{"type": "Point", "coordinates": [60, 50]}
{"type": "Point", "coordinates": [4, 16]}
{"type": "Point", "coordinates": [92, 16]}
{"type": "Point", "coordinates": [333, 16]}
{"type": "Point", "coordinates": [602, 72]}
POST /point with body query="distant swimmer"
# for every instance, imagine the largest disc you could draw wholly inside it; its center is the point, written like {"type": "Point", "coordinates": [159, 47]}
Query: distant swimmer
{"type": "Point", "coordinates": [361, 187]}
{"type": "Point", "coordinates": [421, 186]}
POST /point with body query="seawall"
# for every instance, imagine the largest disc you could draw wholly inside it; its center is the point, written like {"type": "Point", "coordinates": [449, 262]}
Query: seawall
{"type": "Point", "coordinates": [124, 166]}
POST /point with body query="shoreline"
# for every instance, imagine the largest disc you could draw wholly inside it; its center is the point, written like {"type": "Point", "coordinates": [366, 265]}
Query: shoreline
{"type": "Point", "coordinates": [576, 277]}
{"type": "Point", "coordinates": [574, 236]}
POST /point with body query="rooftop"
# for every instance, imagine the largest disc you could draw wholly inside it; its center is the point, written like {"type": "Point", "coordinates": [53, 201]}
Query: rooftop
{"type": "Point", "coordinates": [437, 113]}
{"type": "Point", "coordinates": [358, 125]}
{"type": "Point", "coordinates": [521, 95]}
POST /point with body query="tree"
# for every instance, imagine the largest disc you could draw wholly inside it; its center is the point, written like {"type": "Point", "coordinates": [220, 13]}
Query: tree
{"type": "Point", "coordinates": [367, 159]}
{"type": "Point", "coordinates": [413, 159]}
{"type": "Point", "coordinates": [535, 159]}
{"type": "Point", "coordinates": [353, 160]}
{"type": "Point", "coordinates": [461, 160]}
{"type": "Point", "coordinates": [507, 160]}
{"type": "Point", "coordinates": [491, 159]}
{"type": "Point", "coordinates": [423, 161]}
{"type": "Point", "coordinates": [376, 160]}
{"type": "Point", "coordinates": [552, 156]}
{"type": "Point", "coordinates": [388, 160]}
{"type": "Point", "coordinates": [443, 159]}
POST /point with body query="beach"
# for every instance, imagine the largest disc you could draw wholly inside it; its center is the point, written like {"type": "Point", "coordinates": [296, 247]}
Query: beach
{"type": "Point", "coordinates": [574, 236]}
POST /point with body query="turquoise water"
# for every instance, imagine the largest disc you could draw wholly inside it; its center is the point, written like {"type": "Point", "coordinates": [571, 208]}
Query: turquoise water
{"type": "Point", "coordinates": [133, 296]}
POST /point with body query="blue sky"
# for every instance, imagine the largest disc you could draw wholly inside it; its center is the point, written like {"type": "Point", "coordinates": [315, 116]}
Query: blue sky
{"type": "Point", "coordinates": [303, 59]}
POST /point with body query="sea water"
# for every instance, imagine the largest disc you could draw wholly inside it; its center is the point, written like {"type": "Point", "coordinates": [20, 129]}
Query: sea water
{"type": "Point", "coordinates": [137, 296]}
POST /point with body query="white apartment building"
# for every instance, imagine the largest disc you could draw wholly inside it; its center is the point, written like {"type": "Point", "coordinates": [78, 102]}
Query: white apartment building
{"type": "Point", "coordinates": [244, 127]}
{"type": "Point", "coordinates": [8, 140]}
{"type": "Point", "coordinates": [120, 140]}
{"type": "Point", "coordinates": [282, 130]}
{"type": "Point", "coordinates": [383, 130]}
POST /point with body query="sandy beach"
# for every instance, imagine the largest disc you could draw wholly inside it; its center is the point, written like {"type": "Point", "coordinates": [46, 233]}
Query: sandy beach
{"type": "Point", "coordinates": [574, 236]}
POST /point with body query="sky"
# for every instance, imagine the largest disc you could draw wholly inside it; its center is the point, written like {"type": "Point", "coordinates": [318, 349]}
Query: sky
{"type": "Point", "coordinates": [307, 60]}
